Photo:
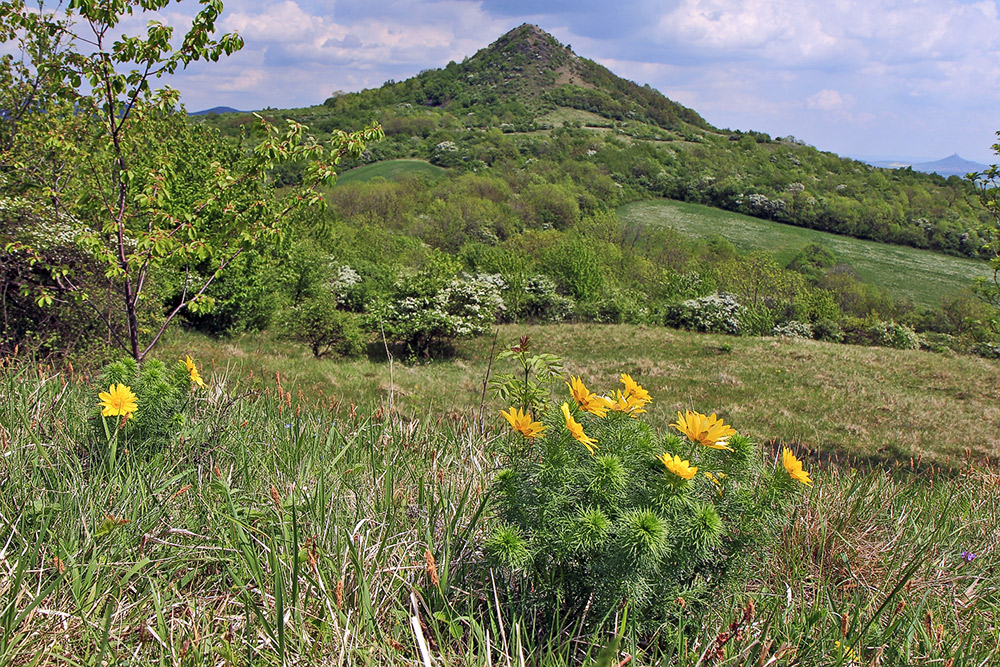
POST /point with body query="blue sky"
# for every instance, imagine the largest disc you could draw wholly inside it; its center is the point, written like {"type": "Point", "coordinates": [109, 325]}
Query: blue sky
{"type": "Point", "coordinates": [909, 79]}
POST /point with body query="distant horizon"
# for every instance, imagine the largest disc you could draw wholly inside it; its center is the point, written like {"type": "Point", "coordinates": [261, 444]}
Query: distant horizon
{"type": "Point", "coordinates": [873, 78]}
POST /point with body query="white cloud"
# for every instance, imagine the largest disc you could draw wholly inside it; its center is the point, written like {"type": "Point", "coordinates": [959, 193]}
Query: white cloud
{"type": "Point", "coordinates": [829, 100]}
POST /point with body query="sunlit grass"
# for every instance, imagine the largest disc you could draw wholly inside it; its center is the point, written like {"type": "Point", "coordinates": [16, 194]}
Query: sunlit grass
{"type": "Point", "coordinates": [390, 170]}
{"type": "Point", "coordinates": [834, 399]}
{"type": "Point", "coordinates": [274, 529]}
{"type": "Point", "coordinates": [921, 275]}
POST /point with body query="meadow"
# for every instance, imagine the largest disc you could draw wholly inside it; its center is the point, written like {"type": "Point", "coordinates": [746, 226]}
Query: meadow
{"type": "Point", "coordinates": [333, 512]}
{"type": "Point", "coordinates": [390, 170]}
{"type": "Point", "coordinates": [923, 276]}
{"type": "Point", "coordinates": [872, 403]}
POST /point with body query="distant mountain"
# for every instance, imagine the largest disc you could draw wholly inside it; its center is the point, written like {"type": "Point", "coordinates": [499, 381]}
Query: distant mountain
{"type": "Point", "coordinates": [214, 110]}
{"type": "Point", "coordinates": [561, 137]}
{"type": "Point", "coordinates": [953, 165]}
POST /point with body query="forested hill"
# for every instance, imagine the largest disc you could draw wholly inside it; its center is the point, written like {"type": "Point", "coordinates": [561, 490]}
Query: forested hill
{"type": "Point", "coordinates": [530, 111]}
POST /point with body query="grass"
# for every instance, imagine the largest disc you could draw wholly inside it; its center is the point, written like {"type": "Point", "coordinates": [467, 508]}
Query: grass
{"type": "Point", "coordinates": [836, 400]}
{"type": "Point", "coordinates": [390, 170]}
{"type": "Point", "coordinates": [275, 529]}
{"type": "Point", "coordinates": [921, 275]}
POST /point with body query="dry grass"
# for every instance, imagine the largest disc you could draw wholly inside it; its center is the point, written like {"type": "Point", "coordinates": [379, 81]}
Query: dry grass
{"type": "Point", "coordinates": [834, 400]}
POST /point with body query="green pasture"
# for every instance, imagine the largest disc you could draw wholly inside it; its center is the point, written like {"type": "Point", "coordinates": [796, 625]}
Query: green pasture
{"type": "Point", "coordinates": [390, 170]}
{"type": "Point", "coordinates": [921, 275]}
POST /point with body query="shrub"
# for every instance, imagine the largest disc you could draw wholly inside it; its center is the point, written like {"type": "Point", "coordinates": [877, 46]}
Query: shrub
{"type": "Point", "coordinates": [617, 307]}
{"type": "Point", "coordinates": [37, 251]}
{"type": "Point", "coordinates": [540, 302]}
{"type": "Point", "coordinates": [466, 306]}
{"type": "Point", "coordinates": [878, 333]}
{"type": "Point", "coordinates": [593, 510]}
{"type": "Point", "coordinates": [757, 320]}
{"type": "Point", "coordinates": [828, 330]}
{"type": "Point", "coordinates": [715, 313]}
{"type": "Point", "coordinates": [576, 268]}
{"type": "Point", "coordinates": [793, 329]}
{"type": "Point", "coordinates": [161, 394]}
{"type": "Point", "coordinates": [317, 323]}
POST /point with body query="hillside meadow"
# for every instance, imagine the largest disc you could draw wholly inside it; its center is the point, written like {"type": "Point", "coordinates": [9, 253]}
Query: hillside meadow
{"type": "Point", "coordinates": [870, 403]}
{"type": "Point", "coordinates": [335, 512]}
{"type": "Point", "coordinates": [920, 275]}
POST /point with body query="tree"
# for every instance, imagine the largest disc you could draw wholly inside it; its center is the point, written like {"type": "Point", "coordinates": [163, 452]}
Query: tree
{"type": "Point", "coordinates": [987, 184]}
{"type": "Point", "coordinates": [116, 154]}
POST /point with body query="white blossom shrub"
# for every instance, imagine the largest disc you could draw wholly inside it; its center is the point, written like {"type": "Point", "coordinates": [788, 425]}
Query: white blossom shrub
{"type": "Point", "coordinates": [716, 313]}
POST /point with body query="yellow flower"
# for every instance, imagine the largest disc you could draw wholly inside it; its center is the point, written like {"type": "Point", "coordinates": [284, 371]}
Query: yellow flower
{"type": "Point", "coordinates": [709, 431]}
{"type": "Point", "coordinates": [586, 399]}
{"type": "Point", "coordinates": [626, 403]}
{"type": "Point", "coordinates": [118, 400]}
{"type": "Point", "coordinates": [193, 371]}
{"type": "Point", "coordinates": [576, 429]}
{"type": "Point", "coordinates": [680, 468]}
{"type": "Point", "coordinates": [635, 391]}
{"type": "Point", "coordinates": [794, 467]}
{"type": "Point", "coordinates": [521, 422]}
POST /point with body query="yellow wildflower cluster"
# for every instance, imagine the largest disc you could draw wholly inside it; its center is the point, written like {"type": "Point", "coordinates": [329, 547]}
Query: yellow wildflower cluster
{"type": "Point", "coordinates": [631, 401]}
{"type": "Point", "coordinates": [713, 432]}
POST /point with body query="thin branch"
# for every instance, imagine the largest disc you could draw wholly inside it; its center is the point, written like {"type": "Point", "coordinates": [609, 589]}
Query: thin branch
{"type": "Point", "coordinates": [185, 302]}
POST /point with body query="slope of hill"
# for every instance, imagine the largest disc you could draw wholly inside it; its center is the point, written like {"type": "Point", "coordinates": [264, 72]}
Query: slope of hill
{"type": "Point", "coordinates": [214, 110]}
{"type": "Point", "coordinates": [521, 100]}
{"type": "Point", "coordinates": [919, 275]}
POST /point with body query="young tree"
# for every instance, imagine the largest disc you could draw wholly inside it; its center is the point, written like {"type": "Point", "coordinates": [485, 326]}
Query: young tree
{"type": "Point", "coordinates": [95, 139]}
{"type": "Point", "coordinates": [987, 184]}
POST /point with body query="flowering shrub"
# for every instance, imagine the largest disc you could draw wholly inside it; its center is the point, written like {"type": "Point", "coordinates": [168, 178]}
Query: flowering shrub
{"type": "Point", "coordinates": [716, 313]}
{"type": "Point", "coordinates": [596, 510]}
{"type": "Point", "coordinates": [542, 303]}
{"type": "Point", "coordinates": [148, 402]}
{"type": "Point", "coordinates": [793, 329]}
{"type": "Point", "coordinates": [465, 306]}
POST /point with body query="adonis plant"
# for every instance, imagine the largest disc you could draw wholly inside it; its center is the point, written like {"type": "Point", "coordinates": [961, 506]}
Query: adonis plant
{"type": "Point", "coordinates": [596, 511]}
{"type": "Point", "coordinates": [146, 404]}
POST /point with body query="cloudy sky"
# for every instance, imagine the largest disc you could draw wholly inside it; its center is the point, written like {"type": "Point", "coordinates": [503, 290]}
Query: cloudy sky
{"type": "Point", "coordinates": [876, 79]}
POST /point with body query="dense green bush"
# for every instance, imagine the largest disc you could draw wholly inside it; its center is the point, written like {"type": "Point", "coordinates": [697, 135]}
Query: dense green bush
{"type": "Point", "coordinates": [575, 267]}
{"type": "Point", "coordinates": [318, 323]}
{"type": "Point", "coordinates": [161, 394]}
{"type": "Point", "coordinates": [596, 509]}
{"type": "Point", "coordinates": [541, 302]}
{"type": "Point", "coordinates": [874, 332]}
{"type": "Point", "coordinates": [617, 307]}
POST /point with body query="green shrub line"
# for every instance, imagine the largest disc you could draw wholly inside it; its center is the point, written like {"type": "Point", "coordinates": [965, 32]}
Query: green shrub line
{"type": "Point", "coordinates": [265, 528]}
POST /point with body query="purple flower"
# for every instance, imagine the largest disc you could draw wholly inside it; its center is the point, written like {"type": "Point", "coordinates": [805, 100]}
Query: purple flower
{"type": "Point", "coordinates": [967, 556]}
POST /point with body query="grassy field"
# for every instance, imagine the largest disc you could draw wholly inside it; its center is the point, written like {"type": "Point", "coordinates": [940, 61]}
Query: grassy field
{"type": "Point", "coordinates": [923, 276]}
{"type": "Point", "coordinates": [835, 400]}
{"type": "Point", "coordinates": [390, 170]}
{"type": "Point", "coordinates": [279, 528]}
